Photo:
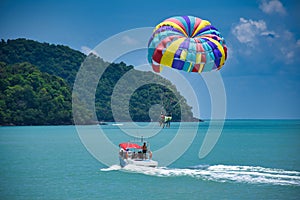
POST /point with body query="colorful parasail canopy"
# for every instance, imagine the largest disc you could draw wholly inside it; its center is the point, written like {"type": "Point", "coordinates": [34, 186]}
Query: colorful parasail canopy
{"type": "Point", "coordinates": [129, 145]}
{"type": "Point", "coordinates": [186, 43]}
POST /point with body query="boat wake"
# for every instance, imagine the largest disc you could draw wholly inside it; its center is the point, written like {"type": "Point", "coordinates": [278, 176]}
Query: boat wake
{"type": "Point", "coordinates": [111, 168]}
{"type": "Point", "coordinates": [221, 173]}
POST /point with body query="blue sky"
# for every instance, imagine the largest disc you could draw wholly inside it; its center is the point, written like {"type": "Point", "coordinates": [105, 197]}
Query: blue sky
{"type": "Point", "coordinates": [262, 72]}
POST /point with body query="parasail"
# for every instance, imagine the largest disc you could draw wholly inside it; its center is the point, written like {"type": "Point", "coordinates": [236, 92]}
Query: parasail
{"type": "Point", "coordinates": [186, 43]}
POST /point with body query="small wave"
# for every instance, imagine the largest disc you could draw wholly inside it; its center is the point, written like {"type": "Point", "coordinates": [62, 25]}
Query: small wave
{"type": "Point", "coordinates": [198, 167]}
{"type": "Point", "coordinates": [222, 173]}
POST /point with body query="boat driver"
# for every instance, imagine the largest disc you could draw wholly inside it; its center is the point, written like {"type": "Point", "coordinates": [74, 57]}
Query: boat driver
{"type": "Point", "coordinates": [144, 148]}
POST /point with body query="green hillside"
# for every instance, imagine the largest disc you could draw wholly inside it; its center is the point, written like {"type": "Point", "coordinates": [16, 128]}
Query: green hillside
{"type": "Point", "coordinates": [37, 81]}
{"type": "Point", "coordinates": [56, 60]}
{"type": "Point", "coordinates": [30, 97]}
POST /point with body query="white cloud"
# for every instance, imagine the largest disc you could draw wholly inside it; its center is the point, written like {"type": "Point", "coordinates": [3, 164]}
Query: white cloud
{"type": "Point", "coordinates": [273, 6]}
{"type": "Point", "coordinates": [270, 34]}
{"type": "Point", "coordinates": [298, 43]}
{"type": "Point", "coordinates": [290, 47]}
{"type": "Point", "coordinates": [255, 34]}
{"type": "Point", "coordinates": [247, 31]}
{"type": "Point", "coordinates": [86, 50]}
{"type": "Point", "coordinates": [276, 45]}
{"type": "Point", "coordinates": [129, 40]}
{"type": "Point", "coordinates": [288, 35]}
{"type": "Point", "coordinates": [287, 54]}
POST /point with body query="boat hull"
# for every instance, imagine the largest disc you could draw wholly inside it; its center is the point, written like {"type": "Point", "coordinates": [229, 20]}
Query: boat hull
{"type": "Point", "coordinates": [138, 162]}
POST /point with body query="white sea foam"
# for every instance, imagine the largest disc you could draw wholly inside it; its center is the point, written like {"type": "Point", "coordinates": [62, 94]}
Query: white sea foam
{"type": "Point", "coordinates": [222, 173]}
{"type": "Point", "coordinates": [111, 168]}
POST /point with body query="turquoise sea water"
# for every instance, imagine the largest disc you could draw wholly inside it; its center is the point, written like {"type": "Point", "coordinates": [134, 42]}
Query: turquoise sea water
{"type": "Point", "coordinates": [253, 159]}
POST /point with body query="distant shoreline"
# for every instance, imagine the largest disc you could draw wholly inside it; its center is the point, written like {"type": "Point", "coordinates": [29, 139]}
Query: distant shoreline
{"type": "Point", "coordinates": [111, 122]}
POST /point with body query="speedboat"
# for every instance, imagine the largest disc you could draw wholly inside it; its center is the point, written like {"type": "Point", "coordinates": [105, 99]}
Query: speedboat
{"type": "Point", "coordinates": [131, 154]}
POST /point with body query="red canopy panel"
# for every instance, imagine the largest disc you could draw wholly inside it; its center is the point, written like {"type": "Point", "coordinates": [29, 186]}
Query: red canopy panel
{"type": "Point", "coordinates": [128, 145]}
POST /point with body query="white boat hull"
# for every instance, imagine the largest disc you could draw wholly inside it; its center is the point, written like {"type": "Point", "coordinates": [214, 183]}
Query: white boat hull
{"type": "Point", "coordinates": [138, 162]}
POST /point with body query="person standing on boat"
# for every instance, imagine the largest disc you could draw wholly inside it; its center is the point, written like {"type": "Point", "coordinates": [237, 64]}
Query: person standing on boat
{"type": "Point", "coordinates": [144, 148]}
{"type": "Point", "coordinates": [168, 119]}
{"type": "Point", "coordinates": [162, 120]}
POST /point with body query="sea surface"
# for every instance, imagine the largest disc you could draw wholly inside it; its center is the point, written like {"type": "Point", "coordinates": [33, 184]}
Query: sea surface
{"type": "Point", "coordinates": [253, 159]}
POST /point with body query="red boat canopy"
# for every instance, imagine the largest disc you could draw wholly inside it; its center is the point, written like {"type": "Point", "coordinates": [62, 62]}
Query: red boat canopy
{"type": "Point", "coordinates": [128, 145]}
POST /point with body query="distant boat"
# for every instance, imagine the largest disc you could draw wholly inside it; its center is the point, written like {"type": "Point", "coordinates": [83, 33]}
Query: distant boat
{"type": "Point", "coordinates": [117, 124]}
{"type": "Point", "coordinates": [103, 123]}
{"type": "Point", "coordinates": [131, 154]}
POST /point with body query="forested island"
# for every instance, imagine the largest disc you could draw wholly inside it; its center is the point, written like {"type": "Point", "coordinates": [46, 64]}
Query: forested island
{"type": "Point", "coordinates": [36, 81]}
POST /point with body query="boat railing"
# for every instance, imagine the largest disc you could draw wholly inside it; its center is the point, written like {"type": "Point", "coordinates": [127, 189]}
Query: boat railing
{"type": "Point", "coordinates": [135, 155]}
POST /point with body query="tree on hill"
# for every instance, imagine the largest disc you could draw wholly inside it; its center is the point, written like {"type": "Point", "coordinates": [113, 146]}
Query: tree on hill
{"type": "Point", "coordinates": [30, 97]}
{"type": "Point", "coordinates": [56, 60]}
